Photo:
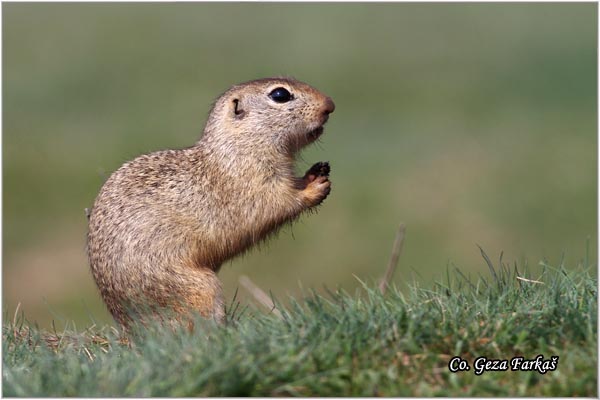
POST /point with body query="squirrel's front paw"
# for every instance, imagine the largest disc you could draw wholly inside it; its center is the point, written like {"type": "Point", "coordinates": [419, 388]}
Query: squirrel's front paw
{"type": "Point", "coordinates": [317, 183]}
{"type": "Point", "coordinates": [321, 168]}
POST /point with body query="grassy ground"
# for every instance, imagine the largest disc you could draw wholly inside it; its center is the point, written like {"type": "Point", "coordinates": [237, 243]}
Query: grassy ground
{"type": "Point", "coordinates": [339, 345]}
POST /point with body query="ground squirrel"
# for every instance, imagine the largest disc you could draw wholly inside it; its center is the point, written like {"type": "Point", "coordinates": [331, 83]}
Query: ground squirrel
{"type": "Point", "coordinates": [163, 223]}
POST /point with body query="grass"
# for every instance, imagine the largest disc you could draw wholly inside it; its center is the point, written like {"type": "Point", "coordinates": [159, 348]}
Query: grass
{"type": "Point", "coordinates": [366, 344]}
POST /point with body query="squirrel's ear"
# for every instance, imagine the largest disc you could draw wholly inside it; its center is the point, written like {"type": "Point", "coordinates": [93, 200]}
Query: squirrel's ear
{"type": "Point", "coordinates": [238, 112]}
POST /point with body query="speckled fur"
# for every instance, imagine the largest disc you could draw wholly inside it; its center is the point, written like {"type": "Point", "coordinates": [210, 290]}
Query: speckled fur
{"type": "Point", "coordinates": [163, 223]}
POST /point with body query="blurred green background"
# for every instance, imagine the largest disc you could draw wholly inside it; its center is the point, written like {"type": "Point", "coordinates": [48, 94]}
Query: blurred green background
{"type": "Point", "coordinates": [471, 123]}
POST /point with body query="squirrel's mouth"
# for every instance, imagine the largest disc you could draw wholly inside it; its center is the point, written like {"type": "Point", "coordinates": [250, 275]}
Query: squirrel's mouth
{"type": "Point", "coordinates": [315, 133]}
{"type": "Point", "coordinates": [304, 139]}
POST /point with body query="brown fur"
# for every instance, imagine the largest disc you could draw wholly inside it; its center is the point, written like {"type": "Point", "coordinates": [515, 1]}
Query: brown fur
{"type": "Point", "coordinates": [163, 223]}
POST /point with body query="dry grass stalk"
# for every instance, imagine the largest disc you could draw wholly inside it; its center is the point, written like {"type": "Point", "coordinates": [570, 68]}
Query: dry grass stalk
{"type": "Point", "coordinates": [396, 250]}
{"type": "Point", "coordinates": [259, 295]}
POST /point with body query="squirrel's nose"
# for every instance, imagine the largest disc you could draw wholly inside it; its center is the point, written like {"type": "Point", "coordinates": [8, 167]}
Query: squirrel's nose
{"type": "Point", "coordinates": [329, 106]}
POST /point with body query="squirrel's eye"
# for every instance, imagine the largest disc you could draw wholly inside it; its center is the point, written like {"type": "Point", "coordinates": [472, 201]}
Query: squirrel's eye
{"type": "Point", "coordinates": [280, 95]}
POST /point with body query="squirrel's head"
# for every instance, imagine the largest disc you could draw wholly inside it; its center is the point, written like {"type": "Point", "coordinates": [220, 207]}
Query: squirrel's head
{"type": "Point", "coordinates": [280, 112]}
